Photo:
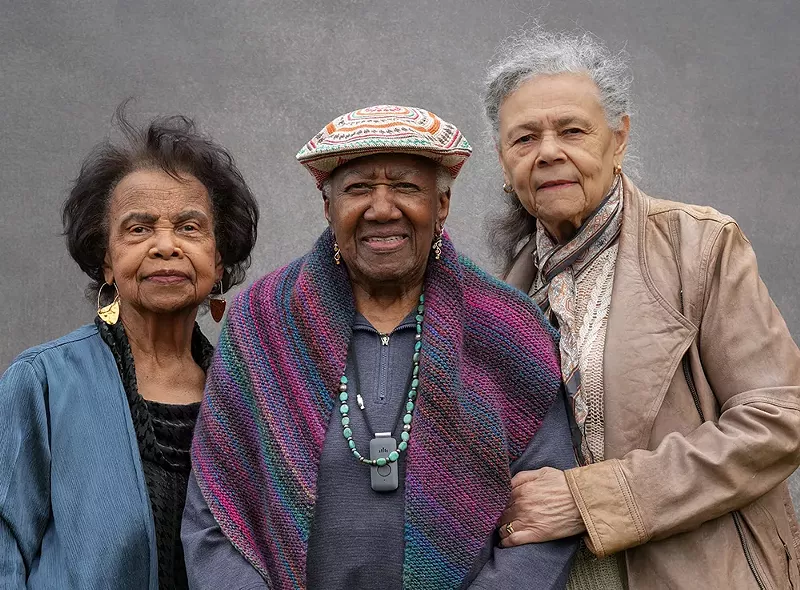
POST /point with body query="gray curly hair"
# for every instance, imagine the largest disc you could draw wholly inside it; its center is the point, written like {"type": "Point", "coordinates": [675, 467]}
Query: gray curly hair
{"type": "Point", "coordinates": [535, 52]}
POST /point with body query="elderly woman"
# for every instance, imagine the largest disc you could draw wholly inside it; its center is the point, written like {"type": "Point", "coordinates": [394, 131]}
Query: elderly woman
{"type": "Point", "coordinates": [97, 425]}
{"type": "Point", "coordinates": [368, 403]}
{"type": "Point", "coordinates": [683, 380]}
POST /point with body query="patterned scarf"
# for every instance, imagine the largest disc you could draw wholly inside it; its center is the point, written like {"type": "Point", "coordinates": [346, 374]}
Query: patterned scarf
{"type": "Point", "coordinates": [488, 375]}
{"type": "Point", "coordinates": [554, 289]}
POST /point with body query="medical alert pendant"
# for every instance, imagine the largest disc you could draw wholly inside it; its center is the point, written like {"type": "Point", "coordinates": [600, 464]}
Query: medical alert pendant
{"type": "Point", "coordinates": [383, 477]}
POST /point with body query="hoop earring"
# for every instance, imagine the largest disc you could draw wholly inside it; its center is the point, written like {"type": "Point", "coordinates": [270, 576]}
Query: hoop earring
{"type": "Point", "coordinates": [507, 188]}
{"type": "Point", "coordinates": [337, 254]}
{"type": "Point", "coordinates": [437, 245]}
{"type": "Point", "coordinates": [109, 313]}
{"type": "Point", "coordinates": [218, 304]}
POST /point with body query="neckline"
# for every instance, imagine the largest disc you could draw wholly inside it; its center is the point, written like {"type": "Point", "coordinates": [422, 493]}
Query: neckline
{"type": "Point", "coordinates": [362, 323]}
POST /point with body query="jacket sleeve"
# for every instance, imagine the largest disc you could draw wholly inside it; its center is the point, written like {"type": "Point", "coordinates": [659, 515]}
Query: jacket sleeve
{"type": "Point", "coordinates": [24, 472]}
{"type": "Point", "coordinates": [212, 562]}
{"type": "Point", "coordinates": [535, 565]}
{"type": "Point", "coordinates": [752, 365]}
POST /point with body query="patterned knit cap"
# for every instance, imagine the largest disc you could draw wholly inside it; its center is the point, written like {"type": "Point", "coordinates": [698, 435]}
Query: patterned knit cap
{"type": "Point", "coordinates": [384, 129]}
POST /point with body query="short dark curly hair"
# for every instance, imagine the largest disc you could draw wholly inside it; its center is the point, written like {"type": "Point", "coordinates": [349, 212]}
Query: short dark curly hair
{"type": "Point", "coordinates": [173, 145]}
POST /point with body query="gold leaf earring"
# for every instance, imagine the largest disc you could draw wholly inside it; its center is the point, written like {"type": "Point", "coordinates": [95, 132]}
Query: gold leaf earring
{"type": "Point", "coordinates": [337, 253]}
{"type": "Point", "coordinates": [507, 188]}
{"type": "Point", "coordinates": [617, 169]}
{"type": "Point", "coordinates": [217, 304]}
{"type": "Point", "coordinates": [109, 313]}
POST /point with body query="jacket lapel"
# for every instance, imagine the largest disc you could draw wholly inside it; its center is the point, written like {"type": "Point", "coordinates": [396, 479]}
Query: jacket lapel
{"type": "Point", "coordinates": [645, 340]}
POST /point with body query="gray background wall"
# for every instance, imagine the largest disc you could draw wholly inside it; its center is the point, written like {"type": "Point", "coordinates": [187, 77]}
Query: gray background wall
{"type": "Point", "coordinates": [717, 122]}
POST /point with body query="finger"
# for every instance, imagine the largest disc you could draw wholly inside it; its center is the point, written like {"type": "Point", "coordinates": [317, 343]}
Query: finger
{"type": "Point", "coordinates": [520, 538]}
{"type": "Point", "coordinates": [503, 528]}
{"type": "Point", "coordinates": [524, 477]}
{"type": "Point", "coordinates": [524, 491]}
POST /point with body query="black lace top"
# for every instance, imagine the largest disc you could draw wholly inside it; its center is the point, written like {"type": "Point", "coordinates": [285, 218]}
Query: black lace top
{"type": "Point", "coordinates": [164, 434]}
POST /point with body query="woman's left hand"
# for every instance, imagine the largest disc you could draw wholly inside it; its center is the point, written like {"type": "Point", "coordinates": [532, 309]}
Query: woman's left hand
{"type": "Point", "coordinates": [541, 509]}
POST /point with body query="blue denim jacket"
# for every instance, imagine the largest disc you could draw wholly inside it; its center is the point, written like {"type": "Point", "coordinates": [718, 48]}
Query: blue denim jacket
{"type": "Point", "coordinates": [74, 506]}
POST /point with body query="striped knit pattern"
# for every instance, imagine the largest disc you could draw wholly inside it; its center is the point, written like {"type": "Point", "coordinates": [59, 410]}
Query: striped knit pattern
{"type": "Point", "coordinates": [489, 373]}
{"type": "Point", "coordinates": [384, 129]}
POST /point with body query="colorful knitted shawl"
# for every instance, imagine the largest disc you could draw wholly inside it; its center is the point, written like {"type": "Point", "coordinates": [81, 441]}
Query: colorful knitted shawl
{"type": "Point", "coordinates": [489, 373]}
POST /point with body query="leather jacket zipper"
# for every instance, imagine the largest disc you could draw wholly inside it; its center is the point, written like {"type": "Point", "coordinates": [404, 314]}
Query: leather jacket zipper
{"type": "Point", "coordinates": [687, 374]}
{"type": "Point", "coordinates": [737, 520]}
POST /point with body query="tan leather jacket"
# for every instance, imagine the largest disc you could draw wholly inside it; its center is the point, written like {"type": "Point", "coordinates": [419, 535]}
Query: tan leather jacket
{"type": "Point", "coordinates": [692, 503]}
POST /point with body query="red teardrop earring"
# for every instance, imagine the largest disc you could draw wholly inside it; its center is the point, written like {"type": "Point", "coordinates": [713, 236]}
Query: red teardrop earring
{"type": "Point", "coordinates": [217, 305]}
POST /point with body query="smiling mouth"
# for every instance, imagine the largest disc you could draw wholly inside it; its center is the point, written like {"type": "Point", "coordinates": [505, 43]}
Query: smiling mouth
{"type": "Point", "coordinates": [385, 243]}
{"type": "Point", "coordinates": [384, 239]}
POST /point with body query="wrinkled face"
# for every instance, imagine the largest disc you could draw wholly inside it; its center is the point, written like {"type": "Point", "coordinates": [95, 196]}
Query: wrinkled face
{"type": "Point", "coordinates": [557, 150]}
{"type": "Point", "coordinates": [161, 248]}
{"type": "Point", "coordinates": [384, 211]}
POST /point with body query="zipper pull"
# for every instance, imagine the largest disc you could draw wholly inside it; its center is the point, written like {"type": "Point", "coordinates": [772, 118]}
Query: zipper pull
{"type": "Point", "coordinates": [384, 339]}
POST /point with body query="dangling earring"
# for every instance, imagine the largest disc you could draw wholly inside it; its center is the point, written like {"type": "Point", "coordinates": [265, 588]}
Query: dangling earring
{"type": "Point", "coordinates": [437, 245]}
{"type": "Point", "coordinates": [617, 169]}
{"type": "Point", "coordinates": [109, 313]}
{"type": "Point", "coordinates": [218, 304]}
{"type": "Point", "coordinates": [507, 188]}
{"type": "Point", "coordinates": [337, 254]}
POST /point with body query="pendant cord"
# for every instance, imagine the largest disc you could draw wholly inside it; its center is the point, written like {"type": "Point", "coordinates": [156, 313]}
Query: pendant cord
{"type": "Point", "coordinates": [357, 378]}
{"type": "Point", "coordinates": [408, 416]}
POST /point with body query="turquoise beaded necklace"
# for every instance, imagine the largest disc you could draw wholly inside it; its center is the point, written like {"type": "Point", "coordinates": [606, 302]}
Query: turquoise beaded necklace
{"type": "Point", "coordinates": [411, 397]}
